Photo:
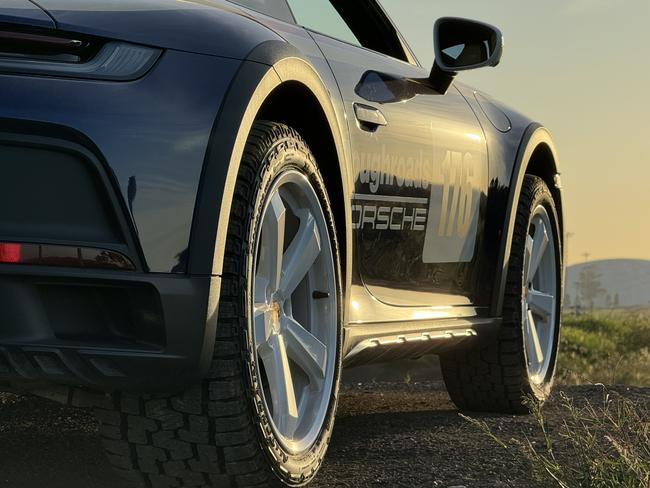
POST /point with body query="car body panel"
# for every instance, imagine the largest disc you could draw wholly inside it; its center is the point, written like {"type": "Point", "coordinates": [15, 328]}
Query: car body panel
{"type": "Point", "coordinates": [400, 181]}
{"type": "Point", "coordinates": [25, 13]}
{"type": "Point", "coordinates": [254, 82]}
{"type": "Point", "coordinates": [506, 154]}
{"type": "Point", "coordinates": [205, 27]}
{"type": "Point", "coordinates": [153, 132]}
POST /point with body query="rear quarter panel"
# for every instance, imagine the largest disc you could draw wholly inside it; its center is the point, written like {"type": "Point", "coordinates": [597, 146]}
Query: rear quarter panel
{"type": "Point", "coordinates": [153, 132]}
{"type": "Point", "coordinates": [503, 148]}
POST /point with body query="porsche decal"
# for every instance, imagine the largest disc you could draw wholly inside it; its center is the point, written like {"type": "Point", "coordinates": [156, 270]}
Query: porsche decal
{"type": "Point", "coordinates": [380, 212]}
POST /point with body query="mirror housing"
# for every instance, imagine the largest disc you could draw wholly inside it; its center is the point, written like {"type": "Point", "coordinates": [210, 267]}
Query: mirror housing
{"type": "Point", "coordinates": [461, 45]}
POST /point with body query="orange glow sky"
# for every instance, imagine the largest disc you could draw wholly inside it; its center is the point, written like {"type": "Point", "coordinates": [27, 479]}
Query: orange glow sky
{"type": "Point", "coordinates": [582, 68]}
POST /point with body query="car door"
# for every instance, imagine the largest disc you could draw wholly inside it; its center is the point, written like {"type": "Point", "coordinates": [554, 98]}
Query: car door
{"type": "Point", "coordinates": [420, 160]}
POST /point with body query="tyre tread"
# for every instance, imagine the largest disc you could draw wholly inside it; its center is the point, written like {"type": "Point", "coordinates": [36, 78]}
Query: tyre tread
{"type": "Point", "coordinates": [492, 376]}
{"type": "Point", "coordinates": [206, 435]}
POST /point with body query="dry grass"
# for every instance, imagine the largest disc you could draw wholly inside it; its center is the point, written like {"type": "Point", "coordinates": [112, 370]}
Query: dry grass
{"type": "Point", "coordinates": [605, 445]}
{"type": "Point", "coordinates": [599, 444]}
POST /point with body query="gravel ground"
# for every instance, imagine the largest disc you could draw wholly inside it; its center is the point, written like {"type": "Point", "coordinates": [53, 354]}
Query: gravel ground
{"type": "Point", "coordinates": [387, 434]}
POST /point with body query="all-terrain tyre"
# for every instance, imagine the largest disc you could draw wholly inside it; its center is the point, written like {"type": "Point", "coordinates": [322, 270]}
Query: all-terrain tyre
{"type": "Point", "coordinates": [219, 433]}
{"type": "Point", "coordinates": [496, 375]}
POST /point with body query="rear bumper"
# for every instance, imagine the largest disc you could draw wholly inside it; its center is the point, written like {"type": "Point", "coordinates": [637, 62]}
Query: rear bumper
{"type": "Point", "coordinates": [105, 330]}
{"type": "Point", "coordinates": [112, 166]}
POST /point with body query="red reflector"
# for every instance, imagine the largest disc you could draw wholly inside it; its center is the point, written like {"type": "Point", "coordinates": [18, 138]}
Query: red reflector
{"type": "Point", "coordinates": [66, 256]}
{"type": "Point", "coordinates": [9, 253]}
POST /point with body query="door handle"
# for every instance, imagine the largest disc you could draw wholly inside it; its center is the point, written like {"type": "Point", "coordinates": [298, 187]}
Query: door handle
{"type": "Point", "coordinates": [370, 118]}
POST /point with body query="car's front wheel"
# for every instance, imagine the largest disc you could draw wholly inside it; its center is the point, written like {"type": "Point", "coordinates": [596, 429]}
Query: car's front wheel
{"type": "Point", "coordinates": [264, 414]}
{"type": "Point", "coordinates": [503, 373]}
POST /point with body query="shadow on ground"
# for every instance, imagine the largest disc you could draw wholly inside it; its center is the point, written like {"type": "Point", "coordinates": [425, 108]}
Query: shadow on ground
{"type": "Point", "coordinates": [387, 434]}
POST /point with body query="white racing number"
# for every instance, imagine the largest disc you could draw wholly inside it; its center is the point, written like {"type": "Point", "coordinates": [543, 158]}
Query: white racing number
{"type": "Point", "coordinates": [456, 210]}
{"type": "Point", "coordinates": [453, 209]}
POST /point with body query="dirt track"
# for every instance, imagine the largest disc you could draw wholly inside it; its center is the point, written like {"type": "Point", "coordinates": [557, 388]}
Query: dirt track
{"type": "Point", "coordinates": [392, 435]}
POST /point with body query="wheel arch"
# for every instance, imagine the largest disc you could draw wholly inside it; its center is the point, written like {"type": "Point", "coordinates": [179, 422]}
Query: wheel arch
{"type": "Point", "coordinates": [537, 155]}
{"type": "Point", "coordinates": [272, 73]}
{"type": "Point", "coordinates": [293, 103]}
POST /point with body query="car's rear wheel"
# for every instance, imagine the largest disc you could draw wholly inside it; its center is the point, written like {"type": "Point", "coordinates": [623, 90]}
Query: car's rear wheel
{"type": "Point", "coordinates": [504, 373]}
{"type": "Point", "coordinates": [264, 414]}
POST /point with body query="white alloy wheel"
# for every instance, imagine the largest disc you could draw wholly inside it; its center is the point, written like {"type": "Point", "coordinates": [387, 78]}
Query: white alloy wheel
{"type": "Point", "coordinates": [294, 312]}
{"type": "Point", "coordinates": [539, 303]}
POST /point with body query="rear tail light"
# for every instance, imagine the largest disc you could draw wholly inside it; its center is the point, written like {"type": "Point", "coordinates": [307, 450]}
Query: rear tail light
{"type": "Point", "coordinates": [45, 46]}
{"type": "Point", "coordinates": [65, 256]}
{"type": "Point", "coordinates": [54, 53]}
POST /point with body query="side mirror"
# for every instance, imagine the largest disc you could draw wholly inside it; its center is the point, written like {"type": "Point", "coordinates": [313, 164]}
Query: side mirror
{"type": "Point", "coordinates": [461, 45]}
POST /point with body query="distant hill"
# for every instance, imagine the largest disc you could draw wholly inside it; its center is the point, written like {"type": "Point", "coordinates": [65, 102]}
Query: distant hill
{"type": "Point", "coordinates": [630, 278]}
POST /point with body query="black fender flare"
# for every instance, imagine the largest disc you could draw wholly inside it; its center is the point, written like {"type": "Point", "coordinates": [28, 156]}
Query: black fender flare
{"type": "Point", "coordinates": [266, 68]}
{"type": "Point", "coordinates": [534, 136]}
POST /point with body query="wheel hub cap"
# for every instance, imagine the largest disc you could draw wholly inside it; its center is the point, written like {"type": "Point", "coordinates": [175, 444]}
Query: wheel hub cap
{"type": "Point", "coordinates": [275, 317]}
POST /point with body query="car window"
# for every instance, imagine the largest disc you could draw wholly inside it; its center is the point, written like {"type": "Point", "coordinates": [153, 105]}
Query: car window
{"type": "Point", "coordinates": [359, 22]}
{"type": "Point", "coordinates": [321, 16]}
{"type": "Point", "coordinates": [273, 8]}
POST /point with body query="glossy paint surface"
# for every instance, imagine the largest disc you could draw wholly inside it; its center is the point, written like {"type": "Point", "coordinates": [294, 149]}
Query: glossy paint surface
{"type": "Point", "coordinates": [24, 12]}
{"type": "Point", "coordinates": [420, 180]}
{"type": "Point", "coordinates": [214, 27]}
{"type": "Point", "coordinates": [503, 149]}
{"type": "Point", "coordinates": [153, 134]}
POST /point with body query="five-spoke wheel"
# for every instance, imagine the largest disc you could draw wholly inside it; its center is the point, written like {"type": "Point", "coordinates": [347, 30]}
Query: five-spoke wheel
{"type": "Point", "coordinates": [295, 311]}
{"type": "Point", "coordinates": [539, 295]}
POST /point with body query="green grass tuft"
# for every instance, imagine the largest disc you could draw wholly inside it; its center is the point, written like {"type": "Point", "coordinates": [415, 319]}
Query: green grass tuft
{"type": "Point", "coordinates": [609, 347]}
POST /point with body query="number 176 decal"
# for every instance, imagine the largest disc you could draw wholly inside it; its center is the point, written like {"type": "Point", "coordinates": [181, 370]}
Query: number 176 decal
{"type": "Point", "coordinates": [453, 210]}
{"type": "Point", "coordinates": [456, 210]}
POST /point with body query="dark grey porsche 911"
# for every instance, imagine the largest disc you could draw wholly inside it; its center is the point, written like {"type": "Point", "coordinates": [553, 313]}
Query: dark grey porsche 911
{"type": "Point", "coordinates": [209, 208]}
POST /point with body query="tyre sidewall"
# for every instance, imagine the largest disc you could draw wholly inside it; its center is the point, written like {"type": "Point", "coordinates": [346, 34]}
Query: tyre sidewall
{"type": "Point", "coordinates": [288, 153]}
{"type": "Point", "coordinates": [541, 196]}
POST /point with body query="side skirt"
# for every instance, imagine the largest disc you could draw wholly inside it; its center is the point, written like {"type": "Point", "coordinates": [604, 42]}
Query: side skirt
{"type": "Point", "coordinates": [379, 342]}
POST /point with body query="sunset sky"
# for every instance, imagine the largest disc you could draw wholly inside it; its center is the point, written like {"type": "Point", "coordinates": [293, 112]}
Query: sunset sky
{"type": "Point", "coordinates": [582, 68]}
